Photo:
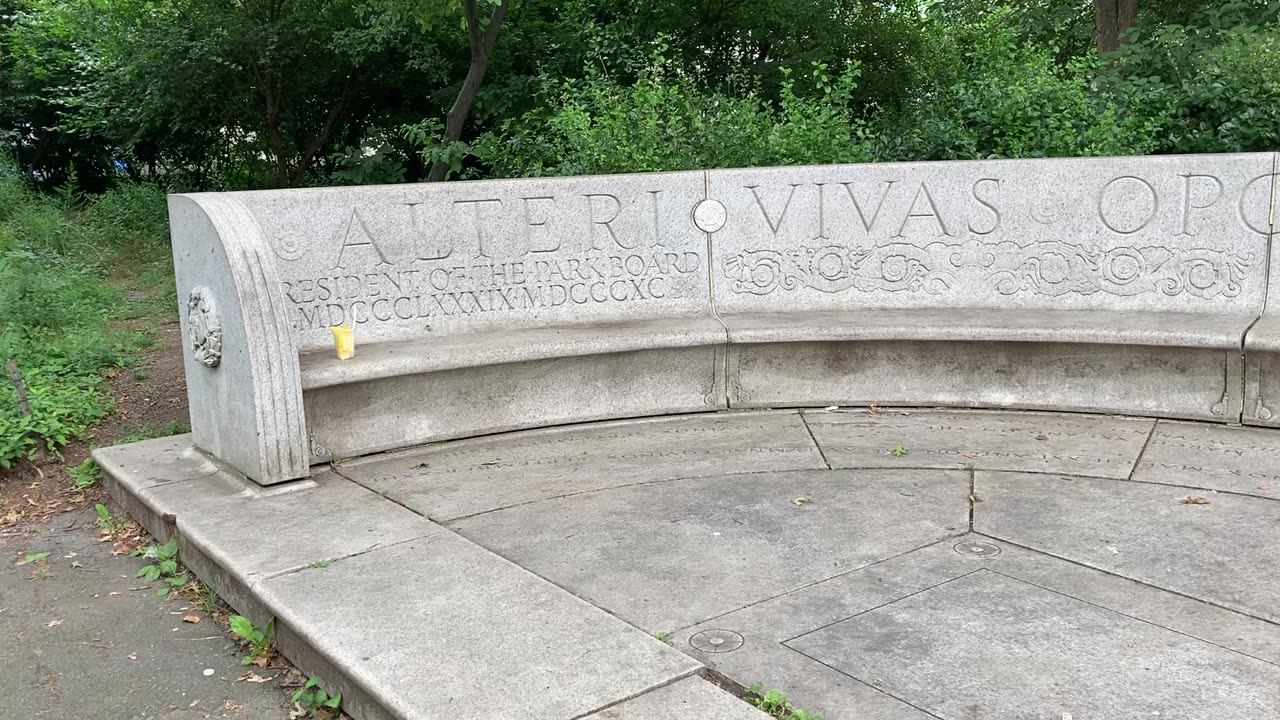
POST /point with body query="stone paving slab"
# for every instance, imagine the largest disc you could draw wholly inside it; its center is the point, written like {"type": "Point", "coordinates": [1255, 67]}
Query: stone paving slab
{"type": "Point", "coordinates": [231, 530]}
{"type": "Point", "coordinates": [438, 627]}
{"type": "Point", "coordinates": [1222, 551]}
{"type": "Point", "coordinates": [692, 698]}
{"type": "Point", "coordinates": [667, 555]}
{"type": "Point", "coordinates": [409, 620]}
{"type": "Point", "coordinates": [1038, 442]}
{"type": "Point", "coordinates": [454, 480]}
{"type": "Point", "coordinates": [1214, 457]}
{"type": "Point", "coordinates": [987, 645]}
{"type": "Point", "coordinates": [766, 627]}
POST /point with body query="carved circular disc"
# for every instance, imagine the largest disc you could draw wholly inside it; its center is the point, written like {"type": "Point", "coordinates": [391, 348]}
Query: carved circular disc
{"type": "Point", "coordinates": [710, 215]}
{"type": "Point", "coordinates": [716, 641]}
{"type": "Point", "coordinates": [973, 548]}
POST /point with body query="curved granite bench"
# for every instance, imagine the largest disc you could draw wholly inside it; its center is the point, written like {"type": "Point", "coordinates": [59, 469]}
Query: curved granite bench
{"type": "Point", "coordinates": [477, 308]}
{"type": "Point", "coordinates": [1109, 285]}
{"type": "Point", "coordinates": [1104, 284]}
{"type": "Point", "coordinates": [1262, 356]}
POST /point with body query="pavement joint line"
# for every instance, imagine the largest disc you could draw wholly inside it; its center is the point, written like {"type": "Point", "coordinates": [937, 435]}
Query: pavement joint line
{"type": "Point", "coordinates": [1133, 469]}
{"type": "Point", "coordinates": [808, 585]}
{"type": "Point", "coordinates": [639, 483]}
{"type": "Point", "coordinates": [973, 493]}
{"type": "Point", "coordinates": [1131, 617]}
{"type": "Point", "coordinates": [695, 672]}
{"type": "Point", "coordinates": [1077, 476]}
{"type": "Point", "coordinates": [1112, 573]}
{"type": "Point", "coordinates": [860, 681]}
{"type": "Point", "coordinates": [887, 603]}
{"type": "Point", "coordinates": [804, 420]}
{"type": "Point", "coordinates": [338, 559]}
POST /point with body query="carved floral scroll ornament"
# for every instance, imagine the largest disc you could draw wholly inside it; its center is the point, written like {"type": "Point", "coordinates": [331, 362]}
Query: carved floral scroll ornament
{"type": "Point", "coordinates": [204, 329]}
{"type": "Point", "coordinates": [1044, 268]}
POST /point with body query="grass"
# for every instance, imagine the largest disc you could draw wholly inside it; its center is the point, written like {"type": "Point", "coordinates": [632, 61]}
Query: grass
{"type": "Point", "coordinates": [79, 279]}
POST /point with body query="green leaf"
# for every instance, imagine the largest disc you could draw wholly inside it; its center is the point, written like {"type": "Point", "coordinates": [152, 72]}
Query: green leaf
{"type": "Point", "coordinates": [169, 549]}
{"type": "Point", "coordinates": [102, 511]}
{"type": "Point", "coordinates": [150, 573]}
{"type": "Point", "coordinates": [241, 626]}
{"type": "Point", "coordinates": [35, 557]}
{"type": "Point", "coordinates": [168, 567]}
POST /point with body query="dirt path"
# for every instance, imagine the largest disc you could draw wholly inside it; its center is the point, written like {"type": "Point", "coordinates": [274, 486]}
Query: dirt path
{"type": "Point", "coordinates": [80, 635]}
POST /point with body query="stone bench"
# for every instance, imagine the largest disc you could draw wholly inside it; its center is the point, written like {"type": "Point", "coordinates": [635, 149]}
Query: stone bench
{"type": "Point", "coordinates": [1262, 354]}
{"type": "Point", "coordinates": [1103, 284]}
{"type": "Point", "coordinates": [477, 308]}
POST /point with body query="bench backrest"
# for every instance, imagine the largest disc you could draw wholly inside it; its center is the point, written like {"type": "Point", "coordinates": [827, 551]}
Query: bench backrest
{"type": "Point", "coordinates": [398, 262]}
{"type": "Point", "coordinates": [263, 275]}
{"type": "Point", "coordinates": [1176, 233]}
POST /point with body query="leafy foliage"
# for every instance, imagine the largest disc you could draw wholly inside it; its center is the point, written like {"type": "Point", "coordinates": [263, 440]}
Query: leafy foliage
{"type": "Point", "coordinates": [313, 699]}
{"type": "Point", "coordinates": [164, 567]}
{"type": "Point", "coordinates": [55, 254]}
{"type": "Point", "coordinates": [257, 638]}
{"type": "Point", "coordinates": [775, 704]}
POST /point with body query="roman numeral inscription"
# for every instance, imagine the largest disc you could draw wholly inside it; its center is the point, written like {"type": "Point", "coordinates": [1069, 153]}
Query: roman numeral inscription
{"type": "Point", "coordinates": [404, 260]}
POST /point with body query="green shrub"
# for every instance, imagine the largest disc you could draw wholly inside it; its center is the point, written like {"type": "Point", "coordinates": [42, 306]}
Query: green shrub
{"type": "Point", "coordinates": [56, 306]}
{"type": "Point", "coordinates": [664, 121]}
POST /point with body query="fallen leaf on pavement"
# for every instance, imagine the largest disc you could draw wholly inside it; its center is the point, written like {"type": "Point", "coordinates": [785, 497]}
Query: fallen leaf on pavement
{"type": "Point", "coordinates": [1195, 500]}
{"type": "Point", "coordinates": [254, 677]}
{"type": "Point", "coordinates": [53, 623]}
{"type": "Point", "coordinates": [190, 618]}
{"type": "Point", "coordinates": [800, 501]}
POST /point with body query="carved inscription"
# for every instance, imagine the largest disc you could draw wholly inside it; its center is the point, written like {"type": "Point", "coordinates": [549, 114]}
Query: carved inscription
{"type": "Point", "coordinates": [424, 261]}
{"type": "Point", "coordinates": [926, 237]}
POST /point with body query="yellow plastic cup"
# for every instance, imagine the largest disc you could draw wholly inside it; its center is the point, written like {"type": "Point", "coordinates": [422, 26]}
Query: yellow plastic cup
{"type": "Point", "coordinates": [344, 341]}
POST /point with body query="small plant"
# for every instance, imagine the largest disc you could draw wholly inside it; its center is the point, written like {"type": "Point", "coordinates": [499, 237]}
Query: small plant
{"type": "Point", "coordinates": [204, 597]}
{"type": "Point", "coordinates": [312, 699]}
{"type": "Point", "coordinates": [775, 704]}
{"type": "Point", "coordinates": [663, 637]}
{"type": "Point", "coordinates": [899, 450]}
{"type": "Point", "coordinates": [165, 567]}
{"type": "Point", "coordinates": [318, 564]}
{"type": "Point", "coordinates": [109, 525]}
{"type": "Point", "coordinates": [85, 475]}
{"type": "Point", "coordinates": [41, 562]}
{"type": "Point", "coordinates": [259, 640]}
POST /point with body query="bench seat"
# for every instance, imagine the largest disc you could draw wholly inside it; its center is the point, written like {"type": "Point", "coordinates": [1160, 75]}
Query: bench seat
{"type": "Point", "coordinates": [429, 354]}
{"type": "Point", "coordinates": [1102, 327]}
{"type": "Point", "coordinates": [396, 394]}
{"type": "Point", "coordinates": [1262, 372]}
{"type": "Point", "coordinates": [1166, 364]}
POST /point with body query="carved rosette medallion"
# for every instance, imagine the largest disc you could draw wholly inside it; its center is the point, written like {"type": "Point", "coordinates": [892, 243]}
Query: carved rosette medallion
{"type": "Point", "coordinates": [204, 330]}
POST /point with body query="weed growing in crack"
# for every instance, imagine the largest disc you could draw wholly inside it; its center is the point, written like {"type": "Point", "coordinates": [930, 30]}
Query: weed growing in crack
{"type": "Point", "coordinates": [108, 524]}
{"type": "Point", "coordinates": [257, 638]}
{"type": "Point", "coordinates": [313, 700]}
{"type": "Point", "coordinates": [164, 566]}
{"type": "Point", "coordinates": [774, 703]}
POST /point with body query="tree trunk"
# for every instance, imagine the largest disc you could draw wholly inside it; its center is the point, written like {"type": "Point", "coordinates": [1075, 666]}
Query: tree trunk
{"type": "Point", "coordinates": [481, 50]}
{"type": "Point", "coordinates": [1112, 19]}
{"type": "Point", "coordinates": [15, 377]}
